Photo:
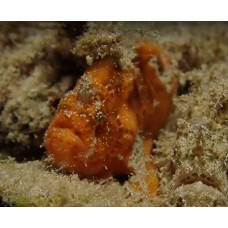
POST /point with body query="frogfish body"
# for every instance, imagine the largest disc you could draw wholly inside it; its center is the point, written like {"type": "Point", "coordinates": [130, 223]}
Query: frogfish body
{"type": "Point", "coordinates": [95, 125]}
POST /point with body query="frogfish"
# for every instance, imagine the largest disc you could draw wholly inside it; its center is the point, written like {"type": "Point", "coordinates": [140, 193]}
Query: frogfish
{"type": "Point", "coordinates": [95, 125]}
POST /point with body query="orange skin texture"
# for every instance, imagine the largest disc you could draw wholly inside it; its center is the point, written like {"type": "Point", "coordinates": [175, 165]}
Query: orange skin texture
{"type": "Point", "coordinates": [95, 126]}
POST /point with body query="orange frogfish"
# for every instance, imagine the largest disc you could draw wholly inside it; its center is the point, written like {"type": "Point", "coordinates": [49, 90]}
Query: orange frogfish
{"type": "Point", "coordinates": [95, 125]}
